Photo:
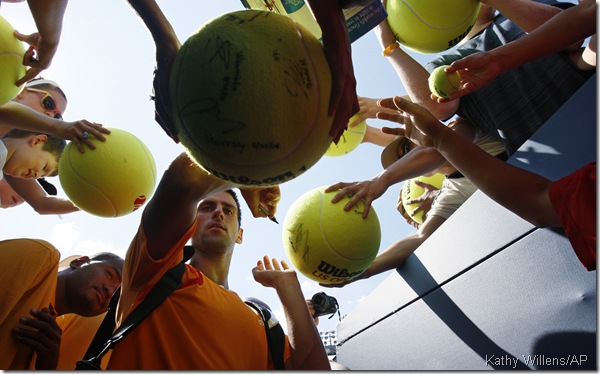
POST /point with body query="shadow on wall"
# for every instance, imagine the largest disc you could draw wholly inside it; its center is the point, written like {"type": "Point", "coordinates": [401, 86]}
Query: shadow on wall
{"type": "Point", "coordinates": [570, 350]}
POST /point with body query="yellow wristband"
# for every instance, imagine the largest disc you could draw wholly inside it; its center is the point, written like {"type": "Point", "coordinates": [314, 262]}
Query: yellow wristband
{"type": "Point", "coordinates": [390, 48]}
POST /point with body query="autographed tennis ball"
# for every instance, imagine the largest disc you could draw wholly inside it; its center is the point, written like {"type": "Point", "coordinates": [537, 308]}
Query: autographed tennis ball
{"type": "Point", "coordinates": [250, 97]}
{"type": "Point", "coordinates": [114, 179]}
{"type": "Point", "coordinates": [442, 84]}
{"type": "Point", "coordinates": [326, 243]}
{"type": "Point", "coordinates": [350, 139]}
{"type": "Point", "coordinates": [11, 62]}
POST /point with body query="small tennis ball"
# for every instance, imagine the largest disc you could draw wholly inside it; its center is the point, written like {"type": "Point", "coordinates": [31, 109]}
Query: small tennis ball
{"type": "Point", "coordinates": [411, 190]}
{"type": "Point", "coordinates": [11, 62]}
{"type": "Point", "coordinates": [112, 180]}
{"type": "Point", "coordinates": [250, 97]}
{"type": "Point", "coordinates": [431, 26]}
{"type": "Point", "coordinates": [324, 242]}
{"type": "Point", "coordinates": [350, 139]}
{"type": "Point", "coordinates": [442, 84]}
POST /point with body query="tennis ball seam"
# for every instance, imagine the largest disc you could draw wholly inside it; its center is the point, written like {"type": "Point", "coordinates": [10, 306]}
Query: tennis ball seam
{"type": "Point", "coordinates": [418, 16]}
{"type": "Point", "coordinates": [326, 239]}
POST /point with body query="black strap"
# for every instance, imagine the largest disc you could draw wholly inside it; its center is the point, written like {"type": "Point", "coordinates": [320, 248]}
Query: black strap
{"type": "Point", "coordinates": [105, 339]}
{"type": "Point", "coordinates": [275, 335]}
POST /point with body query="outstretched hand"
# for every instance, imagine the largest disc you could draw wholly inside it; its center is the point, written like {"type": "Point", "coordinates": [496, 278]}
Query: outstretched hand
{"type": "Point", "coordinates": [476, 71]}
{"type": "Point", "coordinates": [367, 191]}
{"type": "Point", "coordinates": [420, 126]}
{"type": "Point", "coordinates": [270, 273]}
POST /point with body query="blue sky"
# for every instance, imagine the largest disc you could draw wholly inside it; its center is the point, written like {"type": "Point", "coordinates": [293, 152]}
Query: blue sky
{"type": "Point", "coordinates": [104, 64]}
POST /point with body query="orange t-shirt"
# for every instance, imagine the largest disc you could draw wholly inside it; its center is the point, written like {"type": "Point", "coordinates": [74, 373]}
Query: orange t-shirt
{"type": "Point", "coordinates": [77, 334]}
{"type": "Point", "coordinates": [200, 326]}
{"type": "Point", "coordinates": [28, 275]}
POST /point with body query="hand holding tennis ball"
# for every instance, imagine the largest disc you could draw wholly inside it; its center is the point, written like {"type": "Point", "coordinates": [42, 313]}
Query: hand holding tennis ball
{"type": "Point", "coordinates": [443, 84]}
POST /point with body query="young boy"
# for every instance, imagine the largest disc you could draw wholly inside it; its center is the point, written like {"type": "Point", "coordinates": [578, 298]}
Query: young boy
{"type": "Point", "coordinates": [27, 155]}
{"type": "Point", "coordinates": [39, 108]}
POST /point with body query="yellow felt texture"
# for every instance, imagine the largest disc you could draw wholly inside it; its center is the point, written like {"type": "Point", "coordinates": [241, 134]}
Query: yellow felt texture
{"type": "Point", "coordinates": [326, 243]}
{"type": "Point", "coordinates": [410, 190]}
{"type": "Point", "coordinates": [114, 179]}
{"type": "Point", "coordinates": [11, 62]}
{"type": "Point", "coordinates": [349, 140]}
{"type": "Point", "coordinates": [250, 95]}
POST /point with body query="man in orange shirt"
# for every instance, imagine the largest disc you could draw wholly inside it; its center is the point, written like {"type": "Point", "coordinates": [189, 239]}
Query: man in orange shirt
{"type": "Point", "coordinates": [33, 293]}
{"type": "Point", "coordinates": [203, 325]}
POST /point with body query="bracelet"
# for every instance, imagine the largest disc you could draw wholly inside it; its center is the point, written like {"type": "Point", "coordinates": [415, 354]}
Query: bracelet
{"type": "Point", "coordinates": [390, 48]}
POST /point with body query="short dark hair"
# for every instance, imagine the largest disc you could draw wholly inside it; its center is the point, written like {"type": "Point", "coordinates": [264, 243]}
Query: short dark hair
{"type": "Point", "coordinates": [103, 256]}
{"type": "Point", "coordinates": [53, 145]}
{"type": "Point", "coordinates": [237, 203]}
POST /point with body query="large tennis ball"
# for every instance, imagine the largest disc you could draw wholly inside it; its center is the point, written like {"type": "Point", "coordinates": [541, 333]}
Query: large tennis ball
{"type": "Point", "coordinates": [442, 84]}
{"type": "Point", "coordinates": [350, 139]}
{"type": "Point", "coordinates": [112, 180]}
{"type": "Point", "coordinates": [431, 26]}
{"type": "Point", "coordinates": [411, 190]}
{"type": "Point", "coordinates": [326, 243]}
{"type": "Point", "coordinates": [250, 95]}
{"type": "Point", "coordinates": [11, 62]}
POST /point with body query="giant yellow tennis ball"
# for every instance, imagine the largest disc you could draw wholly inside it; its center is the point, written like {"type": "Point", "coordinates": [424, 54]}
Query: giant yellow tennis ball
{"type": "Point", "coordinates": [112, 180]}
{"type": "Point", "coordinates": [250, 96]}
{"type": "Point", "coordinates": [350, 139]}
{"type": "Point", "coordinates": [442, 84]}
{"type": "Point", "coordinates": [411, 190]}
{"type": "Point", "coordinates": [11, 62]}
{"type": "Point", "coordinates": [431, 26]}
{"type": "Point", "coordinates": [326, 243]}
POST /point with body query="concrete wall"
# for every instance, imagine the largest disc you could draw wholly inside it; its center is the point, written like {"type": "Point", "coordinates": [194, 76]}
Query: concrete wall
{"type": "Point", "coordinates": [488, 290]}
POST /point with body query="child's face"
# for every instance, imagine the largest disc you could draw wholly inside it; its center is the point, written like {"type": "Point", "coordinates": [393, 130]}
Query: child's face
{"type": "Point", "coordinates": [29, 160]}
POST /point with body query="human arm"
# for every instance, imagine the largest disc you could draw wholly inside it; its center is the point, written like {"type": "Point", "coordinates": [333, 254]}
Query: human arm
{"type": "Point", "coordinates": [397, 253]}
{"type": "Point", "coordinates": [495, 178]}
{"type": "Point", "coordinates": [31, 191]}
{"type": "Point", "coordinates": [16, 115]}
{"type": "Point", "coordinates": [376, 136]}
{"type": "Point", "coordinates": [419, 161]}
{"type": "Point", "coordinates": [558, 33]}
{"type": "Point", "coordinates": [43, 337]}
{"type": "Point", "coordinates": [306, 348]}
{"type": "Point", "coordinates": [412, 74]}
{"type": "Point", "coordinates": [167, 44]}
{"type": "Point", "coordinates": [48, 16]}
{"type": "Point", "coordinates": [336, 45]}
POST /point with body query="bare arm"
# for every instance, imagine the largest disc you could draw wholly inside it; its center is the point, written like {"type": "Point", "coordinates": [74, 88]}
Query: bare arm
{"type": "Point", "coordinates": [336, 44]}
{"type": "Point", "coordinates": [48, 16]}
{"type": "Point", "coordinates": [526, 14]}
{"type": "Point", "coordinates": [173, 208]}
{"type": "Point", "coordinates": [567, 27]}
{"type": "Point", "coordinates": [16, 115]}
{"type": "Point", "coordinates": [31, 191]}
{"type": "Point", "coordinates": [495, 178]}
{"type": "Point", "coordinates": [397, 253]}
{"type": "Point", "coordinates": [412, 75]}
{"type": "Point", "coordinates": [307, 351]}
{"type": "Point", "coordinates": [167, 44]}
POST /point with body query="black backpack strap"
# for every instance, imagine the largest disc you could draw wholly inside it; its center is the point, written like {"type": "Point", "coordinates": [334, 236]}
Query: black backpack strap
{"type": "Point", "coordinates": [275, 335]}
{"type": "Point", "coordinates": [105, 339]}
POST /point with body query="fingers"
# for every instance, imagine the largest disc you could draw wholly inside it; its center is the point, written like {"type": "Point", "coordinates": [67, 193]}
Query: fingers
{"type": "Point", "coordinates": [393, 130]}
{"type": "Point", "coordinates": [29, 75]}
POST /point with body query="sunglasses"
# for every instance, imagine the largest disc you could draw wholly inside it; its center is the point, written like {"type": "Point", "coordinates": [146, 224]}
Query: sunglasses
{"type": "Point", "coordinates": [48, 103]}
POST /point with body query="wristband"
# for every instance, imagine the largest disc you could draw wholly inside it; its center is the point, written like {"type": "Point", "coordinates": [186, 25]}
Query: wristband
{"type": "Point", "coordinates": [390, 48]}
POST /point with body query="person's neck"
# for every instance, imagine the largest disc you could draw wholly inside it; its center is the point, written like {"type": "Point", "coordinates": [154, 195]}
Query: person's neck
{"type": "Point", "coordinates": [60, 300]}
{"type": "Point", "coordinates": [214, 266]}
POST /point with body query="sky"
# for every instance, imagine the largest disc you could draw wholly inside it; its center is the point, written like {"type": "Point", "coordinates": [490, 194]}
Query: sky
{"type": "Point", "coordinates": [104, 64]}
